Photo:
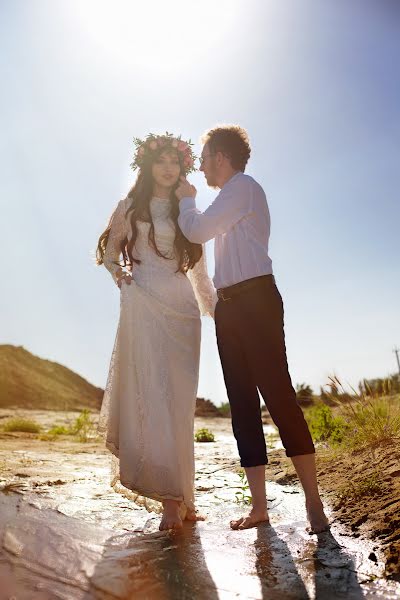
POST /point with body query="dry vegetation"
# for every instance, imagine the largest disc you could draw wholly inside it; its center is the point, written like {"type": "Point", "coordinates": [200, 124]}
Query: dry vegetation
{"type": "Point", "coordinates": [83, 428]}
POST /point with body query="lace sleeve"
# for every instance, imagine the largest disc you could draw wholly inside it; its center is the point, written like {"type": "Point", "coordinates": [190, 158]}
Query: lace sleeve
{"type": "Point", "coordinates": [117, 233]}
{"type": "Point", "coordinates": [203, 287]}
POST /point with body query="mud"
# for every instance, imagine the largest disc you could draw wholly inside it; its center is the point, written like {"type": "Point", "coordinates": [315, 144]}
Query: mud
{"type": "Point", "coordinates": [66, 534]}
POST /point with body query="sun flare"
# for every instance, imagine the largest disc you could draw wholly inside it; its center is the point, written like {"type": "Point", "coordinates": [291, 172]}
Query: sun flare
{"type": "Point", "coordinates": [150, 34]}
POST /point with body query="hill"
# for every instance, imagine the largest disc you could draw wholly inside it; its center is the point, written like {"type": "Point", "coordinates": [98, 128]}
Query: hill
{"type": "Point", "coordinates": [27, 381]}
{"type": "Point", "coordinates": [205, 408]}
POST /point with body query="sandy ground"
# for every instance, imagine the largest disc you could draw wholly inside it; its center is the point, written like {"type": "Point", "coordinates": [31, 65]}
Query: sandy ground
{"type": "Point", "coordinates": [363, 492]}
{"type": "Point", "coordinates": [66, 534]}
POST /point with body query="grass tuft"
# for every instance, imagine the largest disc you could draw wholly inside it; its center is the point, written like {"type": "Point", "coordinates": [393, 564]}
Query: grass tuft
{"type": "Point", "coordinates": [59, 430]}
{"type": "Point", "coordinates": [369, 486]}
{"type": "Point", "coordinates": [83, 427]}
{"type": "Point", "coordinates": [21, 424]}
{"type": "Point", "coordinates": [372, 420]}
{"type": "Point", "coordinates": [354, 421]}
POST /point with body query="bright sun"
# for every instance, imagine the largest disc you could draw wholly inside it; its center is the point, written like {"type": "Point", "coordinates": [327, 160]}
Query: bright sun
{"type": "Point", "coordinates": [149, 33]}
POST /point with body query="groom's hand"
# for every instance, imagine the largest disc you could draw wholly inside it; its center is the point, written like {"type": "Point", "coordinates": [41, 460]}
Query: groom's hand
{"type": "Point", "coordinates": [185, 189]}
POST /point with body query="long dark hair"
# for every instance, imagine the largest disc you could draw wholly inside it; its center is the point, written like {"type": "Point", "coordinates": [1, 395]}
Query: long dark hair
{"type": "Point", "coordinates": [140, 194]}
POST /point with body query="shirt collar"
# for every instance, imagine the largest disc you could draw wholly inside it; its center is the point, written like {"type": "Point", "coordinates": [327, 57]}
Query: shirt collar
{"type": "Point", "coordinates": [232, 178]}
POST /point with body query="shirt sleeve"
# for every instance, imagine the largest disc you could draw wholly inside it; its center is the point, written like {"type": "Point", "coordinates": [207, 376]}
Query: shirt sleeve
{"type": "Point", "coordinates": [230, 206]}
{"type": "Point", "coordinates": [118, 232]}
{"type": "Point", "coordinates": [203, 287]}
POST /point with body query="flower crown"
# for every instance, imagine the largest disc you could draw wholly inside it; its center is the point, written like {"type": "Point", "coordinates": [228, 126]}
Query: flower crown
{"type": "Point", "coordinates": [145, 149]}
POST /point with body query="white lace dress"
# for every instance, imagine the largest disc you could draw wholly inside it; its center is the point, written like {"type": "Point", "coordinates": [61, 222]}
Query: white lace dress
{"type": "Point", "coordinates": [147, 415]}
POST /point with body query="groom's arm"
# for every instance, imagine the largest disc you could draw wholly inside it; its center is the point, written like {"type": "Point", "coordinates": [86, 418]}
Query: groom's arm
{"type": "Point", "coordinates": [229, 207]}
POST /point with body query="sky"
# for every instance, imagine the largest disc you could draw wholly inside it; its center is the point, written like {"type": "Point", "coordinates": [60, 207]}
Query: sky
{"type": "Point", "coordinates": [316, 85]}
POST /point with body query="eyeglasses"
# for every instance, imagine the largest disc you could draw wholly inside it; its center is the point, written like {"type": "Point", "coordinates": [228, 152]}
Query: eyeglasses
{"type": "Point", "coordinates": [203, 158]}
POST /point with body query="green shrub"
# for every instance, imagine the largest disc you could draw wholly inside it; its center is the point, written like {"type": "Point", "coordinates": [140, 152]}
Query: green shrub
{"type": "Point", "coordinates": [204, 435]}
{"type": "Point", "coordinates": [59, 430]}
{"type": "Point", "coordinates": [83, 426]}
{"type": "Point", "coordinates": [225, 409]}
{"type": "Point", "coordinates": [21, 424]}
{"type": "Point", "coordinates": [324, 426]}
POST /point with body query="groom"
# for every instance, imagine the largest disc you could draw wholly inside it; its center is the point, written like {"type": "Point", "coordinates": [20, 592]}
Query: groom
{"type": "Point", "coordinates": [249, 318]}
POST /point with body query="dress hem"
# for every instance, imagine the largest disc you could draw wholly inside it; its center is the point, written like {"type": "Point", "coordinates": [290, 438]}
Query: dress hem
{"type": "Point", "coordinates": [152, 495]}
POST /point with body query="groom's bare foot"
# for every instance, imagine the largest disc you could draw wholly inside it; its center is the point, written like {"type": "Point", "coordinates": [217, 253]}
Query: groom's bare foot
{"type": "Point", "coordinates": [316, 517]}
{"type": "Point", "coordinates": [171, 518]}
{"type": "Point", "coordinates": [192, 515]}
{"type": "Point", "coordinates": [254, 518]}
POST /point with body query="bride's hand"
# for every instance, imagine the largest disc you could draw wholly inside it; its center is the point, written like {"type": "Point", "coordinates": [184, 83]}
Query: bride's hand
{"type": "Point", "coordinates": [123, 276]}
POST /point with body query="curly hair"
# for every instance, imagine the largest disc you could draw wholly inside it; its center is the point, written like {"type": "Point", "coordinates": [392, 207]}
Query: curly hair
{"type": "Point", "coordinates": [231, 140]}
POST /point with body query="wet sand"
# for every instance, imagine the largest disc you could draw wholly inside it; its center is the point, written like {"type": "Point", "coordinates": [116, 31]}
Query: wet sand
{"type": "Point", "coordinates": [66, 534]}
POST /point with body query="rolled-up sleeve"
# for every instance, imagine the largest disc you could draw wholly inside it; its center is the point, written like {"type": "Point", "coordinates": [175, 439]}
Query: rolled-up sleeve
{"type": "Point", "coordinates": [230, 206]}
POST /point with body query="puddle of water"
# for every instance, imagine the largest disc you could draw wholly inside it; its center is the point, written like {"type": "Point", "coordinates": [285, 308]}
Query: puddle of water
{"type": "Point", "coordinates": [79, 539]}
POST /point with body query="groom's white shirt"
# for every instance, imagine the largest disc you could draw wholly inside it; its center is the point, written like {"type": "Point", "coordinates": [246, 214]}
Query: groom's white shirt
{"type": "Point", "coordinates": [239, 221]}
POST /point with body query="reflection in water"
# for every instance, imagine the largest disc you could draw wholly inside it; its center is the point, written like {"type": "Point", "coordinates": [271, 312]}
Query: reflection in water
{"type": "Point", "coordinates": [67, 534]}
{"type": "Point", "coordinates": [65, 557]}
{"type": "Point", "coordinates": [188, 575]}
{"type": "Point", "coordinates": [160, 566]}
{"type": "Point", "coordinates": [325, 567]}
{"type": "Point", "coordinates": [335, 571]}
{"type": "Point", "coordinates": [275, 567]}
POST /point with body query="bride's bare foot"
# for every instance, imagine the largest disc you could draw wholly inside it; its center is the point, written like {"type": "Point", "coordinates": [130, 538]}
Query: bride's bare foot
{"type": "Point", "coordinates": [254, 518]}
{"type": "Point", "coordinates": [317, 518]}
{"type": "Point", "coordinates": [171, 518]}
{"type": "Point", "coordinates": [192, 515]}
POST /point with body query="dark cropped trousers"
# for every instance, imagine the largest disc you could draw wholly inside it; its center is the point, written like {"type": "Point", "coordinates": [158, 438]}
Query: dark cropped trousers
{"type": "Point", "coordinates": [251, 344]}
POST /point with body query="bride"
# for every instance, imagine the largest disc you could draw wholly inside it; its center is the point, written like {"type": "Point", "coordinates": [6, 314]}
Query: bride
{"type": "Point", "coordinates": [147, 415]}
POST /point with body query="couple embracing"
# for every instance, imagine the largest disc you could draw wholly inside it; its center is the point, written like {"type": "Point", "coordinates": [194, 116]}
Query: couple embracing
{"type": "Point", "coordinates": [154, 250]}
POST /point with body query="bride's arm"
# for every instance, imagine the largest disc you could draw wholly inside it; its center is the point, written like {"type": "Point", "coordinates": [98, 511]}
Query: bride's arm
{"type": "Point", "coordinates": [203, 287]}
{"type": "Point", "coordinates": [118, 232]}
